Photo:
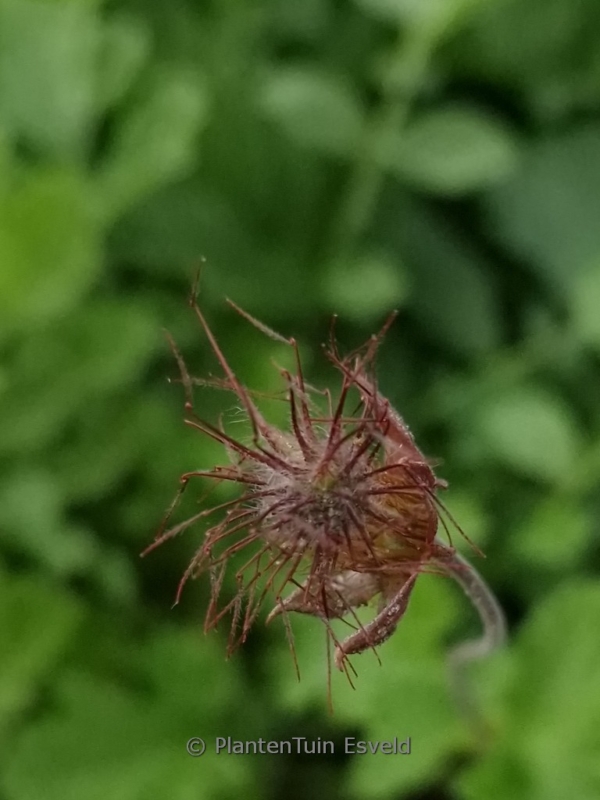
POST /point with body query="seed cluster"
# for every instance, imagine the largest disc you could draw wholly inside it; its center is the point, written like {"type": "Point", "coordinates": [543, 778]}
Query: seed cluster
{"type": "Point", "coordinates": [336, 511]}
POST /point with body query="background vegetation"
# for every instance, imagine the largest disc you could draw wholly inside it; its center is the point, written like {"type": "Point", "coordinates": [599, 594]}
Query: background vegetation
{"type": "Point", "coordinates": [437, 156]}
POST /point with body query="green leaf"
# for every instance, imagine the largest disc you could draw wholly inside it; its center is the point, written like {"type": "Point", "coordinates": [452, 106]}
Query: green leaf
{"type": "Point", "coordinates": [102, 348]}
{"type": "Point", "coordinates": [7, 164]}
{"type": "Point", "coordinates": [555, 536]}
{"type": "Point", "coordinates": [531, 431]}
{"type": "Point", "coordinates": [49, 247]}
{"type": "Point", "coordinates": [364, 288]}
{"type": "Point", "coordinates": [585, 306]}
{"type": "Point", "coordinates": [156, 143]}
{"type": "Point", "coordinates": [109, 438]}
{"type": "Point", "coordinates": [547, 743]}
{"type": "Point", "coordinates": [32, 515]}
{"type": "Point", "coordinates": [48, 56]}
{"type": "Point", "coordinates": [453, 150]}
{"type": "Point", "coordinates": [125, 48]}
{"type": "Point", "coordinates": [101, 740]}
{"type": "Point", "coordinates": [394, 10]}
{"type": "Point", "coordinates": [544, 51]}
{"type": "Point", "coordinates": [315, 109]}
{"type": "Point", "coordinates": [452, 291]}
{"type": "Point", "coordinates": [114, 574]}
{"type": "Point", "coordinates": [548, 213]}
{"type": "Point", "coordinates": [37, 622]}
{"type": "Point", "coordinates": [438, 14]}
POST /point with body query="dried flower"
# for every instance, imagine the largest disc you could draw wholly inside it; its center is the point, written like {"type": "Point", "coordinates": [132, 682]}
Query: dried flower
{"type": "Point", "coordinates": [336, 511]}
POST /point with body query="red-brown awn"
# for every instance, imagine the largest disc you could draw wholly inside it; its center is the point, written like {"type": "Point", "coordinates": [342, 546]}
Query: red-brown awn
{"type": "Point", "coordinates": [337, 511]}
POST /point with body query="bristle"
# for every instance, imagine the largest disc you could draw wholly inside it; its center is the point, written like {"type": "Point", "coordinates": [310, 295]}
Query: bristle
{"type": "Point", "coordinates": [333, 511]}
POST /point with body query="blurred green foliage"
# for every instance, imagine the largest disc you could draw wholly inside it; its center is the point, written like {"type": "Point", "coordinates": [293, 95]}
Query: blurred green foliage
{"type": "Point", "coordinates": [437, 156]}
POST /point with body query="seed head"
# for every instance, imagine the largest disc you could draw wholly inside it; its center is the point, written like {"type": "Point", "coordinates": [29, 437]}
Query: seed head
{"type": "Point", "coordinates": [335, 511]}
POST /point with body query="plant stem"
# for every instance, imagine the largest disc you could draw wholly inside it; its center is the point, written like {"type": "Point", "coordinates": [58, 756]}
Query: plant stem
{"type": "Point", "coordinates": [493, 637]}
{"type": "Point", "coordinates": [412, 56]}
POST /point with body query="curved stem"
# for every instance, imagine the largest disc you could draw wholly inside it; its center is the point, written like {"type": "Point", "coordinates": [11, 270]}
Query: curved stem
{"type": "Point", "coordinates": [493, 637]}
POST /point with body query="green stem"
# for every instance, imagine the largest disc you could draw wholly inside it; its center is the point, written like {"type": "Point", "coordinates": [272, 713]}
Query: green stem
{"type": "Point", "coordinates": [412, 57]}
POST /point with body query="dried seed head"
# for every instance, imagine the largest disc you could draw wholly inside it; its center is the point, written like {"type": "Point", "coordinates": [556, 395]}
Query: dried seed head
{"type": "Point", "coordinates": [335, 511]}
